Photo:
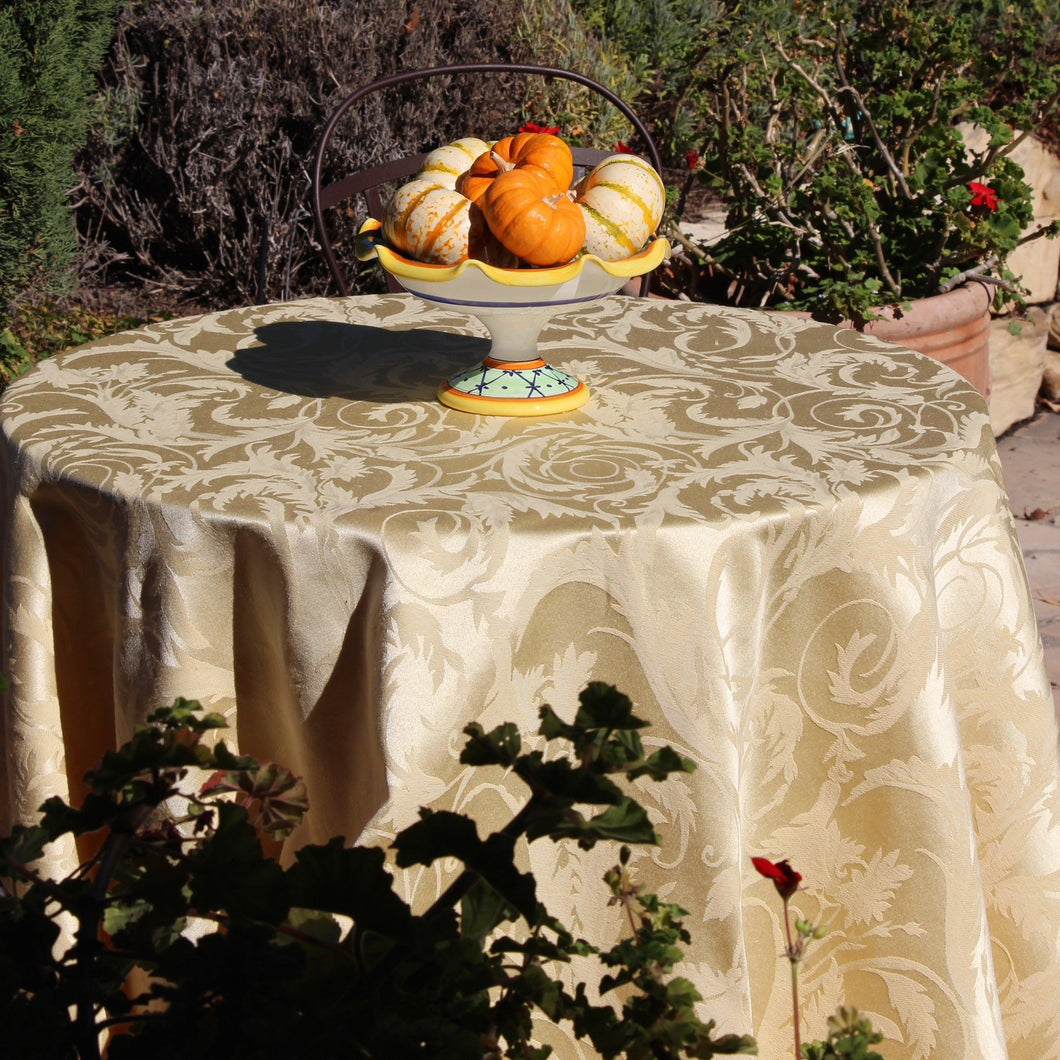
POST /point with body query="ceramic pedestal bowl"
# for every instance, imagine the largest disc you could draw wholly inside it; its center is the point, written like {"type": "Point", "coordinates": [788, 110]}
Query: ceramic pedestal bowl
{"type": "Point", "coordinates": [513, 304]}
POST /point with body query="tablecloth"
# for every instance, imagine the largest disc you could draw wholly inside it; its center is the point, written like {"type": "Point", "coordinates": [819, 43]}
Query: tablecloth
{"type": "Point", "coordinates": [789, 543]}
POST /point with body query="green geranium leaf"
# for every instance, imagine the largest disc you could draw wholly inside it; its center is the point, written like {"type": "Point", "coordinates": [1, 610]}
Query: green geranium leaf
{"type": "Point", "coordinates": [225, 759]}
{"type": "Point", "coordinates": [230, 874]}
{"type": "Point", "coordinates": [184, 714]}
{"type": "Point", "coordinates": [118, 916]}
{"type": "Point", "coordinates": [680, 992]}
{"type": "Point", "coordinates": [566, 781]}
{"type": "Point", "coordinates": [445, 834]}
{"type": "Point", "coordinates": [546, 993]}
{"type": "Point", "coordinates": [602, 706]}
{"type": "Point", "coordinates": [621, 749]}
{"type": "Point", "coordinates": [353, 881]}
{"type": "Point", "coordinates": [322, 927]}
{"type": "Point", "coordinates": [553, 727]}
{"type": "Point", "coordinates": [661, 764]}
{"type": "Point", "coordinates": [481, 910]}
{"type": "Point", "coordinates": [501, 747]}
{"type": "Point", "coordinates": [96, 811]}
{"type": "Point", "coordinates": [626, 822]}
{"type": "Point", "coordinates": [24, 846]}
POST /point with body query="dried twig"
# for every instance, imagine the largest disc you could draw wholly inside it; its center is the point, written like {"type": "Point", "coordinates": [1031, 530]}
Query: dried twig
{"type": "Point", "coordinates": [981, 273]}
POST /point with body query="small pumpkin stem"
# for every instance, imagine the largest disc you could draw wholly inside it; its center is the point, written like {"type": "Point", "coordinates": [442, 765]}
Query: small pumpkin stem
{"type": "Point", "coordinates": [503, 165]}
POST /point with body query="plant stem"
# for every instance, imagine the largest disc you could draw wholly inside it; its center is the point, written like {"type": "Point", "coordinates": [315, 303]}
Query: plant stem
{"type": "Point", "coordinates": [463, 883]}
{"type": "Point", "coordinates": [459, 887]}
{"type": "Point", "coordinates": [793, 960]}
{"type": "Point", "coordinates": [87, 944]}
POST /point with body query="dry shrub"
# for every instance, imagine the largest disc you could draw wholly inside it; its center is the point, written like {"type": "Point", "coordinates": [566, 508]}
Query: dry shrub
{"type": "Point", "coordinates": [196, 176]}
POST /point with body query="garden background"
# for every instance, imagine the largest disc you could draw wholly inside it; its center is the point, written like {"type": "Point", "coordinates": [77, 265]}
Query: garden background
{"type": "Point", "coordinates": [155, 154]}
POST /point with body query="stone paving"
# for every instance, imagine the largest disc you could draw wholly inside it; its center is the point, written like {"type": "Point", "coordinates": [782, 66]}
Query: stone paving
{"type": "Point", "coordinates": [1030, 458]}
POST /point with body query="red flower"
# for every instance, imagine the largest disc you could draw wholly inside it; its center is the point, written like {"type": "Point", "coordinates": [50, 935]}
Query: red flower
{"type": "Point", "coordinates": [784, 877]}
{"type": "Point", "coordinates": [622, 148]}
{"type": "Point", "coordinates": [982, 195]}
{"type": "Point", "coordinates": [533, 127]}
{"type": "Point", "coordinates": [691, 158]}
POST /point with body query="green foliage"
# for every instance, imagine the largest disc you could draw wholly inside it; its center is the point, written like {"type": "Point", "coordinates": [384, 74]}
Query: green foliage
{"type": "Point", "coordinates": [52, 50]}
{"type": "Point", "coordinates": [14, 357]}
{"type": "Point", "coordinates": [847, 176]}
{"type": "Point", "coordinates": [40, 327]}
{"type": "Point", "coordinates": [669, 44]}
{"type": "Point", "coordinates": [849, 1038]}
{"type": "Point", "coordinates": [554, 33]}
{"type": "Point", "coordinates": [278, 975]}
{"type": "Point", "coordinates": [830, 131]}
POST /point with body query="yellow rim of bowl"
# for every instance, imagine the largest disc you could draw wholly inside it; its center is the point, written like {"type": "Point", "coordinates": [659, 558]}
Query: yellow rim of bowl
{"type": "Point", "coordinates": [636, 265]}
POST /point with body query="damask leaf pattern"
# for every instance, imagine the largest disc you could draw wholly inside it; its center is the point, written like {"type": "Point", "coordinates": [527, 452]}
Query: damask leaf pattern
{"type": "Point", "coordinates": [788, 543]}
{"type": "Point", "coordinates": [913, 1003]}
{"type": "Point", "coordinates": [869, 891]}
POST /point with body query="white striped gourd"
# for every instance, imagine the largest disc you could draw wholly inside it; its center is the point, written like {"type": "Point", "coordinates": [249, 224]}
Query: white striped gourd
{"type": "Point", "coordinates": [428, 223]}
{"type": "Point", "coordinates": [444, 164]}
{"type": "Point", "coordinates": [622, 201]}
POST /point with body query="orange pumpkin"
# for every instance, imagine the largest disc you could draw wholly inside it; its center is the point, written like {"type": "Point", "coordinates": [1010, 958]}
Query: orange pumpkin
{"type": "Point", "coordinates": [542, 153]}
{"type": "Point", "coordinates": [533, 220]}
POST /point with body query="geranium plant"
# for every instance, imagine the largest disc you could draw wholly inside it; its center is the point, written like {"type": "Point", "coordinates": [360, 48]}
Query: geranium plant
{"type": "Point", "coordinates": [835, 134]}
{"type": "Point", "coordinates": [280, 971]}
{"type": "Point", "coordinates": [185, 937]}
{"type": "Point", "coordinates": [849, 1033]}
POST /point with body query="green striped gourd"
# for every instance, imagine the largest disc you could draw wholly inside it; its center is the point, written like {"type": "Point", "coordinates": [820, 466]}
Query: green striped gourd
{"type": "Point", "coordinates": [444, 164]}
{"type": "Point", "coordinates": [622, 201]}
{"type": "Point", "coordinates": [428, 223]}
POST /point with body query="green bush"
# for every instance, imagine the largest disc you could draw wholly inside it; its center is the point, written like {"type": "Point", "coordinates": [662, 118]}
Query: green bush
{"type": "Point", "coordinates": [832, 134]}
{"type": "Point", "coordinates": [686, 50]}
{"type": "Point", "coordinates": [553, 33]}
{"type": "Point", "coordinates": [51, 51]}
{"type": "Point", "coordinates": [673, 47]}
{"type": "Point", "coordinates": [839, 152]}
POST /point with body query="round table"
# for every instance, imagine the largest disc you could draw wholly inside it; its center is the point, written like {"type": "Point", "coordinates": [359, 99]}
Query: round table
{"type": "Point", "coordinates": [788, 543]}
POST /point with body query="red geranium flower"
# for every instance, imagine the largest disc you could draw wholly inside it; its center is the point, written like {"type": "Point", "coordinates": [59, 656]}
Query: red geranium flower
{"type": "Point", "coordinates": [622, 148]}
{"type": "Point", "coordinates": [691, 158]}
{"type": "Point", "coordinates": [533, 127]}
{"type": "Point", "coordinates": [784, 877]}
{"type": "Point", "coordinates": [982, 195]}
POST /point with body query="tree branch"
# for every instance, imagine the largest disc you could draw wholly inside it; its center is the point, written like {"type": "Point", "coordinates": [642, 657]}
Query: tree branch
{"type": "Point", "coordinates": [866, 114]}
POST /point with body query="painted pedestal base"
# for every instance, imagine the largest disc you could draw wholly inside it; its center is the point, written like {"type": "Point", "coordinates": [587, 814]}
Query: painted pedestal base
{"type": "Point", "coordinates": [513, 388]}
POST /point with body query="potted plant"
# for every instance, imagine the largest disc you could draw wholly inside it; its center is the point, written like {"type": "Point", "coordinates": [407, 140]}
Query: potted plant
{"type": "Point", "coordinates": [835, 136]}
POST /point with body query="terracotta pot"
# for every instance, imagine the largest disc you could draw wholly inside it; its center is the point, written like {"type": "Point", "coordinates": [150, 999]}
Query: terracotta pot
{"type": "Point", "coordinates": [953, 328]}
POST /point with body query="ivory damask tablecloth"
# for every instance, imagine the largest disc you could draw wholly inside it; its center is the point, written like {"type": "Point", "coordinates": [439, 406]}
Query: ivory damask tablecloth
{"type": "Point", "coordinates": [789, 544]}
